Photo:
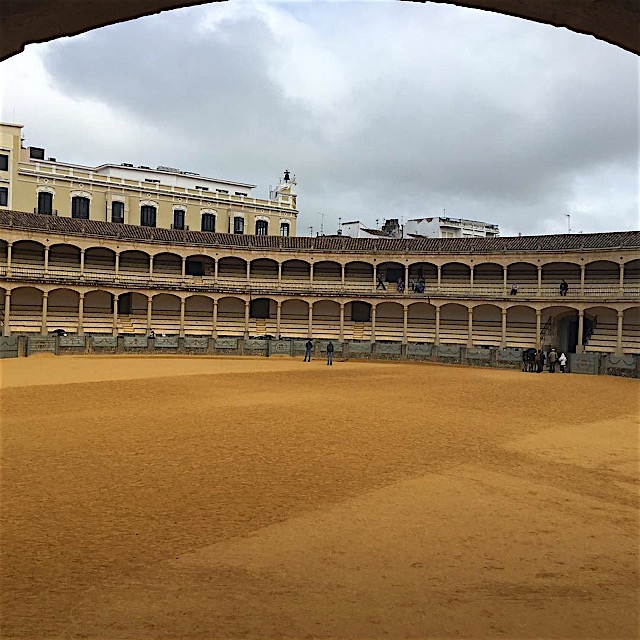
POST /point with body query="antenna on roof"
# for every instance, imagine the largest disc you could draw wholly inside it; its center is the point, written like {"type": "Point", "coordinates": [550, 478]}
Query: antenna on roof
{"type": "Point", "coordinates": [311, 231]}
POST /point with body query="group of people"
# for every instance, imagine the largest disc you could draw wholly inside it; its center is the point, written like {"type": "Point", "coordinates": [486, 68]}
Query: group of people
{"type": "Point", "coordinates": [308, 350]}
{"type": "Point", "coordinates": [533, 360]}
{"type": "Point", "coordinates": [564, 287]}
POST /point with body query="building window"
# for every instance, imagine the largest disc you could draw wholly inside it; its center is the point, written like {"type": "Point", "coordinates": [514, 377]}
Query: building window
{"type": "Point", "coordinates": [45, 203]}
{"type": "Point", "coordinates": [284, 228]}
{"type": "Point", "coordinates": [80, 207]}
{"type": "Point", "coordinates": [178, 219]}
{"type": "Point", "coordinates": [202, 188]}
{"type": "Point", "coordinates": [238, 225]}
{"type": "Point", "coordinates": [262, 226]}
{"type": "Point", "coordinates": [4, 196]}
{"type": "Point", "coordinates": [208, 222]}
{"type": "Point", "coordinates": [148, 216]}
{"type": "Point", "coordinates": [4, 162]}
{"type": "Point", "coordinates": [117, 211]}
{"type": "Point", "coordinates": [222, 190]}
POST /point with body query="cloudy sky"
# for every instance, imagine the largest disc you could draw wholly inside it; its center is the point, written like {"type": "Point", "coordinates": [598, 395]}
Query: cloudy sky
{"type": "Point", "coordinates": [381, 109]}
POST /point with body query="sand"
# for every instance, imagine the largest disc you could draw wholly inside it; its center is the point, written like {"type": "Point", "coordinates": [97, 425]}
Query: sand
{"type": "Point", "coordinates": [267, 498]}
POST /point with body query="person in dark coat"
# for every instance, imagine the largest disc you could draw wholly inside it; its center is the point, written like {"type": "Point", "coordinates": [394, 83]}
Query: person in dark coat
{"type": "Point", "coordinates": [308, 348]}
{"type": "Point", "coordinates": [330, 353]}
{"type": "Point", "coordinates": [541, 358]}
{"type": "Point", "coordinates": [553, 357]}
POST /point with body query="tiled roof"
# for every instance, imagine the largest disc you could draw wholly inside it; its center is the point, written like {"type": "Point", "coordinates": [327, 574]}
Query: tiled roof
{"type": "Point", "coordinates": [95, 228]}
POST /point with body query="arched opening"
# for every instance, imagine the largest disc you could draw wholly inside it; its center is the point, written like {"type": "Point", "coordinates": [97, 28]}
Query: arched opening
{"type": "Point", "coordinates": [263, 317]}
{"type": "Point", "coordinates": [602, 276]}
{"type": "Point", "coordinates": [134, 262]}
{"type": "Point", "coordinates": [455, 277]}
{"type": "Point", "coordinates": [296, 272]}
{"type": "Point", "coordinates": [4, 252]}
{"type": "Point", "coordinates": [521, 327]}
{"type": "Point", "coordinates": [357, 320]}
{"type": "Point", "coordinates": [524, 276]}
{"type": "Point", "coordinates": [487, 325]}
{"type": "Point", "coordinates": [264, 269]}
{"type": "Point", "coordinates": [602, 335]}
{"type": "Point", "coordinates": [98, 312]}
{"type": "Point", "coordinates": [26, 310]}
{"type": "Point", "coordinates": [99, 259]}
{"type": "Point", "coordinates": [632, 277]}
{"type": "Point", "coordinates": [327, 272]}
{"type": "Point", "coordinates": [553, 275]}
{"type": "Point", "coordinates": [132, 313]}
{"type": "Point", "coordinates": [198, 316]}
{"type": "Point", "coordinates": [454, 324]}
{"type": "Point", "coordinates": [422, 272]}
{"type": "Point", "coordinates": [358, 276]}
{"type": "Point", "coordinates": [62, 310]}
{"type": "Point", "coordinates": [389, 322]}
{"type": "Point", "coordinates": [388, 274]}
{"type": "Point", "coordinates": [421, 319]}
{"type": "Point", "coordinates": [165, 314]}
{"type": "Point", "coordinates": [200, 266]}
{"type": "Point", "coordinates": [294, 319]}
{"type": "Point", "coordinates": [168, 264]}
{"type": "Point", "coordinates": [230, 317]}
{"type": "Point", "coordinates": [64, 257]}
{"type": "Point", "coordinates": [559, 329]}
{"type": "Point", "coordinates": [326, 318]}
{"type": "Point", "coordinates": [232, 270]}
{"type": "Point", "coordinates": [488, 276]}
{"type": "Point", "coordinates": [26, 254]}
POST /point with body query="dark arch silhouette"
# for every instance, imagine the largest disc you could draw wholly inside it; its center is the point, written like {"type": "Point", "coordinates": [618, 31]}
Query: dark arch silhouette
{"type": "Point", "coordinates": [22, 23]}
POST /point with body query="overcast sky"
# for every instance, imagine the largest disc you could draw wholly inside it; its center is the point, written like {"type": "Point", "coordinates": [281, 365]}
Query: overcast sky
{"type": "Point", "coordinates": [381, 109]}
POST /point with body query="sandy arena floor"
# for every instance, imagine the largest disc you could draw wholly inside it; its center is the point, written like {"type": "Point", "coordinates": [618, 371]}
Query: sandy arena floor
{"type": "Point", "coordinates": [257, 498]}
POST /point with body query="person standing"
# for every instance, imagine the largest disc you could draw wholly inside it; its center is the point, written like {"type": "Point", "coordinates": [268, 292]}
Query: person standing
{"type": "Point", "coordinates": [562, 361]}
{"type": "Point", "coordinates": [541, 361]}
{"type": "Point", "coordinates": [330, 353]}
{"type": "Point", "coordinates": [564, 287]}
{"type": "Point", "coordinates": [514, 289]}
{"type": "Point", "coordinates": [308, 348]}
{"type": "Point", "coordinates": [553, 357]}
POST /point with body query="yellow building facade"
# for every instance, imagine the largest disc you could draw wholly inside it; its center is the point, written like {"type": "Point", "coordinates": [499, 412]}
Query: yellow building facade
{"type": "Point", "coordinates": [163, 197]}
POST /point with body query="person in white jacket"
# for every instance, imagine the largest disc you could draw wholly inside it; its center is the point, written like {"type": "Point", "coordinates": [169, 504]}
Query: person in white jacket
{"type": "Point", "coordinates": [562, 361]}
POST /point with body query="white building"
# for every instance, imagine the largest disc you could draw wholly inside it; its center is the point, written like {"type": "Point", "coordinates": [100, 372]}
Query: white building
{"type": "Point", "coordinates": [440, 227]}
{"type": "Point", "coordinates": [435, 227]}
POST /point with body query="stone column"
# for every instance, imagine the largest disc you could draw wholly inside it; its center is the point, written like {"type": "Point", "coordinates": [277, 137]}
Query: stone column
{"type": "Point", "coordinates": [278, 319]}
{"type": "Point", "coordinates": [538, 323]}
{"type": "Point", "coordinates": [117, 264]}
{"type": "Point", "coordinates": [373, 323]}
{"type": "Point", "coordinates": [539, 280]}
{"type": "Point", "coordinates": [621, 285]}
{"type": "Point", "coordinates": [115, 315]}
{"type": "Point", "coordinates": [82, 251]}
{"type": "Point", "coordinates": [406, 278]}
{"type": "Point", "coordinates": [6, 329]}
{"type": "Point", "coordinates": [341, 336]}
{"type": "Point", "coordinates": [343, 274]}
{"type": "Point", "coordinates": [184, 266]}
{"type": "Point", "coordinates": [248, 270]}
{"type": "Point", "coordinates": [439, 276]}
{"type": "Point", "coordinates": [151, 266]}
{"type": "Point", "coordinates": [436, 339]}
{"type": "Point", "coordinates": [279, 273]}
{"type": "Point", "coordinates": [310, 327]}
{"type": "Point", "coordinates": [9, 248]}
{"type": "Point", "coordinates": [81, 314]}
{"type": "Point", "coordinates": [215, 270]}
{"type": "Point", "coordinates": [405, 324]}
{"type": "Point", "coordinates": [246, 315]}
{"type": "Point", "coordinates": [504, 280]}
{"type": "Point", "coordinates": [470, 328]}
{"type": "Point", "coordinates": [311, 274]}
{"type": "Point", "coordinates": [619, 342]}
{"type": "Point", "coordinates": [149, 313]}
{"type": "Point", "coordinates": [43, 329]}
{"type": "Point", "coordinates": [214, 320]}
{"type": "Point", "coordinates": [580, 347]}
{"type": "Point", "coordinates": [46, 259]}
{"type": "Point", "coordinates": [503, 340]}
{"type": "Point", "coordinates": [182, 306]}
{"type": "Point", "coordinates": [583, 270]}
{"type": "Point", "coordinates": [471, 272]}
{"type": "Point", "coordinates": [375, 278]}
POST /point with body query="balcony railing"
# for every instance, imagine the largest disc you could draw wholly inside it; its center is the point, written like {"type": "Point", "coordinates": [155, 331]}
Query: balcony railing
{"type": "Point", "coordinates": [159, 280]}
